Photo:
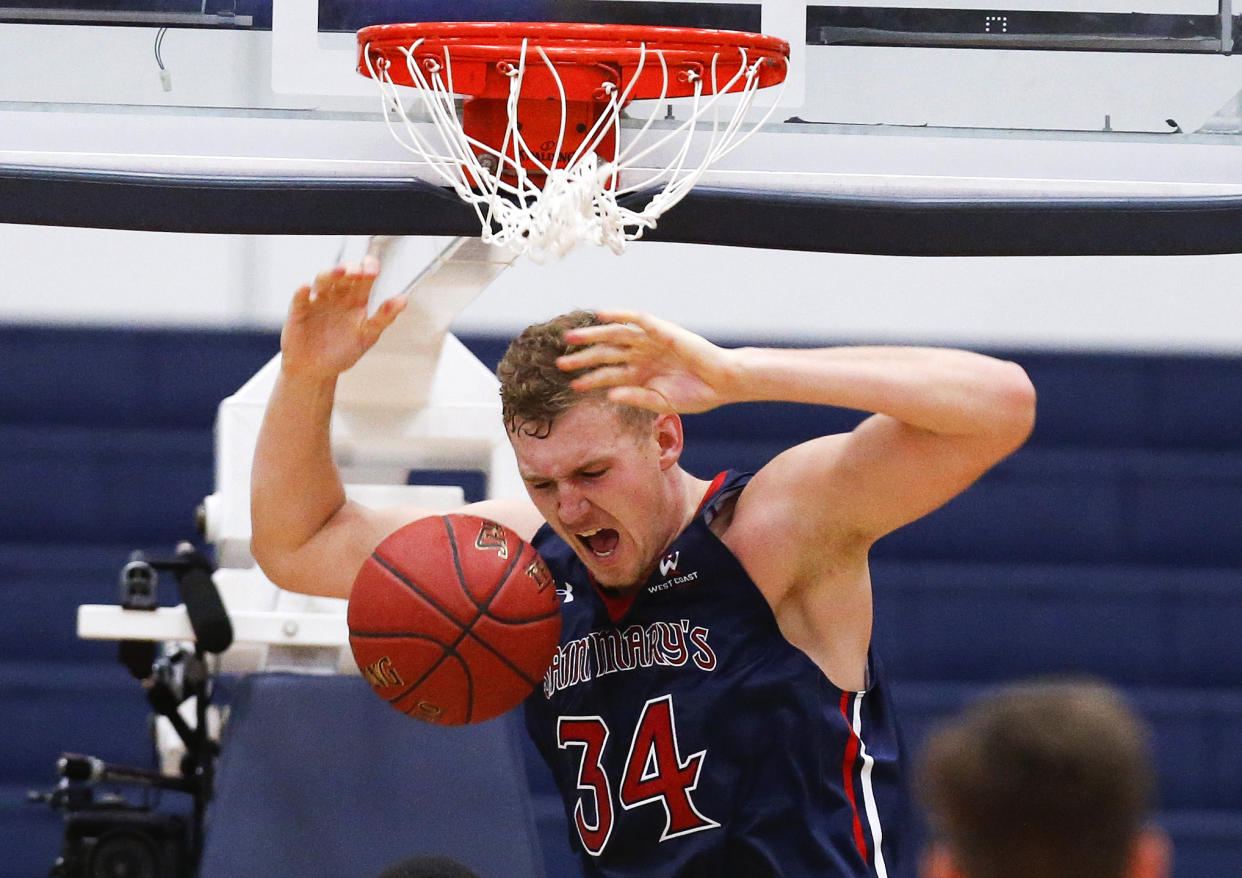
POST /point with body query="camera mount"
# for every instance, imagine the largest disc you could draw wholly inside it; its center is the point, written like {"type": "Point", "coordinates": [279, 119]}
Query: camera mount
{"type": "Point", "coordinates": [106, 834]}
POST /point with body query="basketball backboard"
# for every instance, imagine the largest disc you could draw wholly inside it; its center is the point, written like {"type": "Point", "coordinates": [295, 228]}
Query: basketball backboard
{"type": "Point", "coordinates": [923, 99]}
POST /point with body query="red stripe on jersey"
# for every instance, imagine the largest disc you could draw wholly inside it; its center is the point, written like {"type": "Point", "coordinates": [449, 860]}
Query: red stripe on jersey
{"type": "Point", "coordinates": [851, 758]}
{"type": "Point", "coordinates": [711, 490]}
{"type": "Point", "coordinates": [616, 604]}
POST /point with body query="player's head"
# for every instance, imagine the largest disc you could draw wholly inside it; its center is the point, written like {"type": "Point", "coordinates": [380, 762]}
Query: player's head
{"type": "Point", "coordinates": [1042, 780]}
{"type": "Point", "coordinates": [534, 391]}
{"type": "Point", "coordinates": [601, 473]}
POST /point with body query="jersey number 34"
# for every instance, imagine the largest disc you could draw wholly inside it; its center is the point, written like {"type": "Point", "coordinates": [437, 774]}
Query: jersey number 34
{"type": "Point", "coordinates": [655, 773]}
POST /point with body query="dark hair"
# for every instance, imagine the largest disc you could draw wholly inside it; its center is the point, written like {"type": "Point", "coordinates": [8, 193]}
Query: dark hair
{"type": "Point", "coordinates": [1040, 780]}
{"type": "Point", "coordinates": [534, 391]}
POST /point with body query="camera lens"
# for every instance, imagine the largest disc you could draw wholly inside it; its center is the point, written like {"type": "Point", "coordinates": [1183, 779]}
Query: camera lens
{"type": "Point", "coordinates": [122, 854]}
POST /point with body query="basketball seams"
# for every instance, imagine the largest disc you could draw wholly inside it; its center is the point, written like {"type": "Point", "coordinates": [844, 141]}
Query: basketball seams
{"type": "Point", "coordinates": [445, 650]}
{"type": "Point", "coordinates": [449, 608]}
{"type": "Point", "coordinates": [532, 681]}
{"type": "Point", "coordinates": [414, 587]}
{"type": "Point", "coordinates": [401, 635]}
{"type": "Point", "coordinates": [461, 574]}
{"type": "Point", "coordinates": [518, 559]}
{"type": "Point", "coordinates": [464, 629]}
{"type": "Point", "coordinates": [465, 667]}
{"type": "Point", "coordinates": [504, 577]}
{"type": "Point", "coordinates": [452, 541]}
{"type": "Point", "coordinates": [465, 589]}
{"type": "Point", "coordinates": [413, 687]}
{"type": "Point", "coordinates": [504, 659]}
{"type": "Point", "coordinates": [483, 608]}
{"type": "Point", "coordinates": [467, 629]}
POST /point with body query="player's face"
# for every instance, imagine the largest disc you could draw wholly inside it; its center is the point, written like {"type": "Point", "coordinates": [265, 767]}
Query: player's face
{"type": "Point", "coordinates": [602, 485]}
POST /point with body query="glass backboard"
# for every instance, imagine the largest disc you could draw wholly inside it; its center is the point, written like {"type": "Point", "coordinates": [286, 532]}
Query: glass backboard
{"type": "Point", "coordinates": [1103, 99]}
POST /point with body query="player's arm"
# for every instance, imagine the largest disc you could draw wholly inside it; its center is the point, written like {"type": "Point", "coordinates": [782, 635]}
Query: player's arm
{"type": "Point", "coordinates": [942, 417]}
{"type": "Point", "coordinates": [305, 535]}
{"type": "Point", "coordinates": [805, 523]}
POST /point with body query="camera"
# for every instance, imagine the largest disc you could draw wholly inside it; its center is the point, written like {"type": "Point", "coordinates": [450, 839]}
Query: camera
{"type": "Point", "coordinates": [106, 835]}
{"type": "Point", "coordinates": [114, 839]}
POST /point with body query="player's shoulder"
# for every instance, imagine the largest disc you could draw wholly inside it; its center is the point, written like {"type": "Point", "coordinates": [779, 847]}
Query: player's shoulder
{"type": "Point", "coordinates": [794, 488]}
{"type": "Point", "coordinates": [788, 515]}
{"type": "Point", "coordinates": [775, 489]}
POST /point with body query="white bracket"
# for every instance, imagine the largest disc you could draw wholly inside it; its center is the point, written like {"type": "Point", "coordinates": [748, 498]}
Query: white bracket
{"type": "Point", "coordinates": [418, 400]}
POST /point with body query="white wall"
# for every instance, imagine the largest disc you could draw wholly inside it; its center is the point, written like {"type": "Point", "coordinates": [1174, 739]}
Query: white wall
{"type": "Point", "coordinates": [1126, 303]}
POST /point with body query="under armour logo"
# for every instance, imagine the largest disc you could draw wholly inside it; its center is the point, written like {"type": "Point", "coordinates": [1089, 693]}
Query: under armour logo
{"type": "Point", "coordinates": [669, 563]}
{"type": "Point", "coordinates": [566, 593]}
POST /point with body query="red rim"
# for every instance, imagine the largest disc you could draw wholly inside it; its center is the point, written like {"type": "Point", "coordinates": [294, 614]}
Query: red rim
{"type": "Point", "coordinates": [475, 47]}
{"type": "Point", "coordinates": [593, 68]}
{"type": "Point", "coordinates": [578, 35]}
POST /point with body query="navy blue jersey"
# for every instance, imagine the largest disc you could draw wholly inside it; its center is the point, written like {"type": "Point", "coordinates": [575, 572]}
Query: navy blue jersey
{"type": "Point", "coordinates": [689, 738]}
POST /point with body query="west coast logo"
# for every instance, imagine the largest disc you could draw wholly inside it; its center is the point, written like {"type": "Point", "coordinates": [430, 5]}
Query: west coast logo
{"type": "Point", "coordinates": [668, 570]}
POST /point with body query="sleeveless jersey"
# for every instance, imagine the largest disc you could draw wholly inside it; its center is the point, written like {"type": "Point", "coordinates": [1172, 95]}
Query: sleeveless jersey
{"type": "Point", "coordinates": [689, 738]}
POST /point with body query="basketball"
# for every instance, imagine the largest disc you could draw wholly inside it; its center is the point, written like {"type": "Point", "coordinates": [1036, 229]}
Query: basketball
{"type": "Point", "coordinates": [453, 619]}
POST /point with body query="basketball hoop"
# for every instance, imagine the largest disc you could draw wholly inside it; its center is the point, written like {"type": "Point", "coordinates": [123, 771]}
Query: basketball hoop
{"type": "Point", "coordinates": [538, 149]}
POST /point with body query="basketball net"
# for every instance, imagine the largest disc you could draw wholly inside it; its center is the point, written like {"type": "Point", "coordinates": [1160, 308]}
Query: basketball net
{"type": "Point", "coordinates": [543, 209]}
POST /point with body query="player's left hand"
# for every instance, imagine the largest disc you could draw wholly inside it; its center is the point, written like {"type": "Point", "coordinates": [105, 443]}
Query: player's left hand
{"type": "Point", "coordinates": [649, 363]}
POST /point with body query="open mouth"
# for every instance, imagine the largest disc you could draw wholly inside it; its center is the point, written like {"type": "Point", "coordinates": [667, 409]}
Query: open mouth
{"type": "Point", "coordinates": [601, 542]}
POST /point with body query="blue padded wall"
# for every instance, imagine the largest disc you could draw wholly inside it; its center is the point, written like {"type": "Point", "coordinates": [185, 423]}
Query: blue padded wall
{"type": "Point", "coordinates": [349, 786]}
{"type": "Point", "coordinates": [1111, 544]}
{"type": "Point", "coordinates": [105, 447]}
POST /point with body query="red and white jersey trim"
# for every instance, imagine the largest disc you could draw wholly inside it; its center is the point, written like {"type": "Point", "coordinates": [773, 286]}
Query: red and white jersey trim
{"type": "Point", "coordinates": [851, 707]}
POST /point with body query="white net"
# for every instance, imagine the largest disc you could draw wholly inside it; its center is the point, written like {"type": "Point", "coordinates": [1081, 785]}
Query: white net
{"type": "Point", "coordinates": [543, 209]}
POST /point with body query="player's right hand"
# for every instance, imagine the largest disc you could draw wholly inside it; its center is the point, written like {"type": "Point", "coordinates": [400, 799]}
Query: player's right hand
{"type": "Point", "coordinates": [328, 328]}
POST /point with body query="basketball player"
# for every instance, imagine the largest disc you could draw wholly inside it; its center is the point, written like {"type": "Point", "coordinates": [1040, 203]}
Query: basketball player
{"type": "Point", "coordinates": [714, 709]}
{"type": "Point", "coordinates": [1052, 780]}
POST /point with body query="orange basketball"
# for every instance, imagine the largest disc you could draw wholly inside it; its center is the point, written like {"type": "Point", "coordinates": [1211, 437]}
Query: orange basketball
{"type": "Point", "coordinates": [454, 619]}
